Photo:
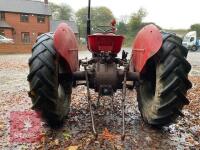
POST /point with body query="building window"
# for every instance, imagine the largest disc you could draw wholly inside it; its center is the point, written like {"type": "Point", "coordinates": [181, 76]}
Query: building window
{"type": "Point", "coordinates": [24, 17]}
{"type": "Point", "coordinates": [2, 32]}
{"type": "Point", "coordinates": [41, 19]}
{"type": "Point", "coordinates": [2, 16]}
{"type": "Point", "coordinates": [25, 36]}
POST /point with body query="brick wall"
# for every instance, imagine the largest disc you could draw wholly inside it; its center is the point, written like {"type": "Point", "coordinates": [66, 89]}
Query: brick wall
{"type": "Point", "coordinates": [33, 27]}
{"type": "Point", "coordinates": [15, 48]}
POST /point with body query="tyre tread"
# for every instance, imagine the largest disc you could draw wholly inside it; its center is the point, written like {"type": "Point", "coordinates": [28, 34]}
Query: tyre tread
{"type": "Point", "coordinates": [174, 78]}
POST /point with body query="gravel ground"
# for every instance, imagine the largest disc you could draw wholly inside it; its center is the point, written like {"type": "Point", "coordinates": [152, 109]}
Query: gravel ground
{"type": "Point", "coordinates": [77, 134]}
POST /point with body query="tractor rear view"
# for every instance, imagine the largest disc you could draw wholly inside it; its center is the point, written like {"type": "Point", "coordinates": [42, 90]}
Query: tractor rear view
{"type": "Point", "coordinates": [157, 69]}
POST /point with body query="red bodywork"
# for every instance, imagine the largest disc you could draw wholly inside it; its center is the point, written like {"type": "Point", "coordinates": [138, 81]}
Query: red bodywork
{"type": "Point", "coordinates": [147, 43]}
{"type": "Point", "coordinates": [66, 45]}
{"type": "Point", "coordinates": [105, 42]}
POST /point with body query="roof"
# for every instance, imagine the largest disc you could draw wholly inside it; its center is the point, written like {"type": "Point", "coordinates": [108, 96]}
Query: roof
{"type": "Point", "coordinates": [25, 6]}
{"type": "Point", "coordinates": [54, 24]}
{"type": "Point", "coordinates": [3, 24]}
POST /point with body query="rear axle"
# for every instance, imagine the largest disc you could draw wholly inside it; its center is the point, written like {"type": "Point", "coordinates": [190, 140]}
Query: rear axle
{"type": "Point", "coordinates": [105, 73]}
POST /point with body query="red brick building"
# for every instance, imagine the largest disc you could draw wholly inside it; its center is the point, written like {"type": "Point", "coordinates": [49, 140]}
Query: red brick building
{"type": "Point", "coordinates": [23, 21]}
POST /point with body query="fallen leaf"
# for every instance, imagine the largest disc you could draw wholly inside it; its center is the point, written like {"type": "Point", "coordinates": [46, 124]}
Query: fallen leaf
{"type": "Point", "coordinates": [72, 148]}
{"type": "Point", "coordinates": [66, 135]}
{"type": "Point", "coordinates": [56, 142]}
{"type": "Point", "coordinates": [107, 135]}
{"type": "Point", "coordinates": [1, 126]}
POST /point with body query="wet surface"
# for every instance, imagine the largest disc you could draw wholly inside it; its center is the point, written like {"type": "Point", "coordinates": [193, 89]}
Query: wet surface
{"type": "Point", "coordinates": [77, 133]}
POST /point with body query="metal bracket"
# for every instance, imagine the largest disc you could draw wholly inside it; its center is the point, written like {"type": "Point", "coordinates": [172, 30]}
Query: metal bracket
{"type": "Point", "coordinates": [89, 99]}
{"type": "Point", "coordinates": [123, 101]}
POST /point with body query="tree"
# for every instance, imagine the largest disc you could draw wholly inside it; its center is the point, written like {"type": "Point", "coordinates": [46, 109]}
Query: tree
{"type": "Point", "coordinates": [102, 16]}
{"type": "Point", "coordinates": [65, 12]}
{"type": "Point", "coordinates": [132, 26]}
{"type": "Point", "coordinates": [54, 10]}
{"type": "Point", "coordinates": [122, 28]}
{"type": "Point", "coordinates": [136, 20]}
{"type": "Point", "coordinates": [61, 12]}
{"type": "Point", "coordinates": [81, 19]}
{"type": "Point", "coordinates": [196, 27]}
{"type": "Point", "coordinates": [99, 16]}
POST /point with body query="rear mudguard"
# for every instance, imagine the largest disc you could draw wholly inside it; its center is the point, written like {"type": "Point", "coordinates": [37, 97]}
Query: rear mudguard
{"type": "Point", "coordinates": [146, 44]}
{"type": "Point", "coordinates": [66, 46]}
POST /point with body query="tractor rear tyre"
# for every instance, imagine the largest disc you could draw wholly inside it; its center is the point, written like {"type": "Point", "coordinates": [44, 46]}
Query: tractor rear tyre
{"type": "Point", "coordinates": [49, 90]}
{"type": "Point", "coordinates": [161, 94]}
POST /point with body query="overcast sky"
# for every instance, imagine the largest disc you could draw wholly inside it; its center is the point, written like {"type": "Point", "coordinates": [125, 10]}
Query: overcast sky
{"type": "Point", "coordinates": [169, 14]}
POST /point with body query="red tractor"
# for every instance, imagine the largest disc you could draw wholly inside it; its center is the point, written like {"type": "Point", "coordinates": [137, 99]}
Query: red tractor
{"type": "Point", "coordinates": [158, 69]}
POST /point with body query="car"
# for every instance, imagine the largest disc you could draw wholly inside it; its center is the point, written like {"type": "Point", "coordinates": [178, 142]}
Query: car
{"type": "Point", "coordinates": [5, 40]}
